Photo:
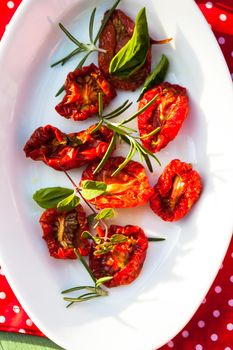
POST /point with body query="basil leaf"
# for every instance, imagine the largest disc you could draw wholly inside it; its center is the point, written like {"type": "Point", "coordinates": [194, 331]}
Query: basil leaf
{"type": "Point", "coordinates": [49, 197]}
{"type": "Point", "coordinates": [105, 214]}
{"type": "Point", "coordinates": [118, 238]}
{"type": "Point", "coordinates": [69, 202]}
{"type": "Point", "coordinates": [133, 55]}
{"type": "Point", "coordinates": [92, 189]}
{"type": "Point", "coordinates": [156, 76]}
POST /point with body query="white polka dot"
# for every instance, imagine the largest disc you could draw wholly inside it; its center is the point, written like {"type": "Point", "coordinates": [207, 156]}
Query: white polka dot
{"type": "Point", "coordinates": [230, 326]}
{"type": "Point", "coordinates": [10, 4]}
{"type": "Point", "coordinates": [223, 17]}
{"type": "Point", "coordinates": [216, 313]}
{"type": "Point", "coordinates": [198, 347]}
{"type": "Point", "coordinates": [232, 53]}
{"type": "Point", "coordinates": [230, 302]}
{"type": "Point", "coordinates": [2, 319]}
{"type": "Point", "coordinates": [29, 322]}
{"type": "Point", "coordinates": [16, 309]}
{"type": "Point", "coordinates": [209, 5]}
{"type": "Point", "coordinates": [185, 334]}
{"type": "Point", "coordinates": [221, 41]}
{"type": "Point", "coordinates": [214, 337]}
{"type": "Point", "coordinates": [218, 289]}
{"type": "Point", "coordinates": [227, 348]}
{"type": "Point", "coordinates": [170, 344]}
{"type": "Point", "coordinates": [201, 324]}
{"type": "Point", "coordinates": [231, 279]}
{"type": "Point", "coordinates": [2, 295]}
{"type": "Point", "coordinates": [232, 254]}
{"type": "Point", "coordinates": [21, 330]}
{"type": "Point", "coordinates": [203, 301]}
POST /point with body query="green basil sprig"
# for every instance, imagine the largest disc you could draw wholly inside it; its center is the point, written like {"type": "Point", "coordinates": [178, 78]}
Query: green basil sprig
{"type": "Point", "coordinates": [156, 76]}
{"type": "Point", "coordinates": [56, 197]}
{"type": "Point", "coordinates": [50, 197]}
{"type": "Point", "coordinates": [69, 202]}
{"type": "Point", "coordinates": [133, 55]}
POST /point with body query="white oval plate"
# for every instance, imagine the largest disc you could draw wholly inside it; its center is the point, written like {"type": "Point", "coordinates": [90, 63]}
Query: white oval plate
{"type": "Point", "coordinates": [177, 273]}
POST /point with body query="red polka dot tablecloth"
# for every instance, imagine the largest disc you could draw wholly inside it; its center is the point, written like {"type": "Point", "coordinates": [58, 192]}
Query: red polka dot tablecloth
{"type": "Point", "coordinates": [211, 328]}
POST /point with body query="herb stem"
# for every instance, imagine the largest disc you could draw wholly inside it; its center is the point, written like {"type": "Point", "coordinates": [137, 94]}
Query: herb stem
{"type": "Point", "coordinates": [74, 289]}
{"type": "Point", "coordinates": [83, 261]}
{"type": "Point", "coordinates": [83, 297]}
{"type": "Point", "coordinates": [78, 190]}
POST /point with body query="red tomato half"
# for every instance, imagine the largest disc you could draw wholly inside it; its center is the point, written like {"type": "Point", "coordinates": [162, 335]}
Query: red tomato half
{"type": "Point", "coordinates": [177, 189]}
{"type": "Point", "coordinates": [74, 150]}
{"type": "Point", "coordinates": [168, 112]}
{"type": "Point", "coordinates": [62, 231]}
{"type": "Point", "coordinates": [82, 87]}
{"type": "Point", "coordinates": [129, 188]}
{"type": "Point", "coordinates": [117, 32]}
{"type": "Point", "coordinates": [124, 262]}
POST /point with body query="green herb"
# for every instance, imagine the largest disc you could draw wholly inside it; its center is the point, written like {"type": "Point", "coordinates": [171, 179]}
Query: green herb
{"type": "Point", "coordinates": [81, 47]}
{"type": "Point", "coordinates": [119, 110]}
{"type": "Point", "coordinates": [107, 153]}
{"type": "Point", "coordinates": [125, 133]}
{"type": "Point", "coordinates": [133, 55]}
{"type": "Point", "coordinates": [153, 132]}
{"type": "Point", "coordinates": [92, 189]}
{"type": "Point", "coordinates": [105, 214]}
{"type": "Point", "coordinates": [103, 280]}
{"type": "Point", "coordinates": [69, 202]}
{"type": "Point", "coordinates": [118, 238]}
{"type": "Point", "coordinates": [107, 243]}
{"type": "Point", "coordinates": [50, 197]}
{"type": "Point", "coordinates": [156, 76]}
{"type": "Point", "coordinates": [93, 291]}
{"type": "Point", "coordinates": [156, 239]}
{"type": "Point", "coordinates": [88, 235]}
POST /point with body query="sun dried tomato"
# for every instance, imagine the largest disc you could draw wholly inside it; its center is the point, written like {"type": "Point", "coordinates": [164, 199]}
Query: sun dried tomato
{"type": "Point", "coordinates": [168, 113]}
{"type": "Point", "coordinates": [82, 87]}
{"type": "Point", "coordinates": [117, 32]}
{"type": "Point", "coordinates": [74, 150]}
{"type": "Point", "coordinates": [128, 188]}
{"type": "Point", "coordinates": [177, 189]}
{"type": "Point", "coordinates": [125, 260]}
{"type": "Point", "coordinates": [62, 231]}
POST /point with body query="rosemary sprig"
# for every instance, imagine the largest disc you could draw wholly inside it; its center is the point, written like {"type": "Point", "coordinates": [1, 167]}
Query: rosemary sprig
{"type": "Point", "coordinates": [93, 291]}
{"type": "Point", "coordinates": [122, 132]}
{"type": "Point", "coordinates": [83, 47]}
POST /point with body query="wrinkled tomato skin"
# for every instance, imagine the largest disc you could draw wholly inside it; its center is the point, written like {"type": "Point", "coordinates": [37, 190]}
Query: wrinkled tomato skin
{"type": "Point", "coordinates": [192, 187]}
{"type": "Point", "coordinates": [117, 32]}
{"type": "Point", "coordinates": [125, 261]}
{"type": "Point", "coordinates": [131, 184]}
{"type": "Point", "coordinates": [167, 112]}
{"type": "Point", "coordinates": [50, 222]}
{"type": "Point", "coordinates": [57, 150]}
{"type": "Point", "coordinates": [82, 87]}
